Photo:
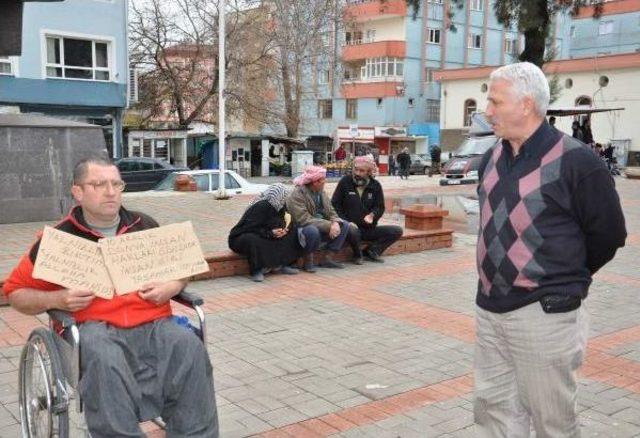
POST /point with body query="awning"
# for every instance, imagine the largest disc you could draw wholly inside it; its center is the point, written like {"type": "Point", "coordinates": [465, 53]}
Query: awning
{"type": "Point", "coordinates": [574, 111]}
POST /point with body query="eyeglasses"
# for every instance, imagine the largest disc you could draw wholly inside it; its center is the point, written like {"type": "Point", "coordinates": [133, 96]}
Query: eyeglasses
{"type": "Point", "coordinates": [118, 185]}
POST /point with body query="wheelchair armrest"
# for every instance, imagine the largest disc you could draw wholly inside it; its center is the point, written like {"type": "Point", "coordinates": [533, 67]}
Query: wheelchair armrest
{"type": "Point", "coordinates": [63, 317]}
{"type": "Point", "coordinates": [188, 299]}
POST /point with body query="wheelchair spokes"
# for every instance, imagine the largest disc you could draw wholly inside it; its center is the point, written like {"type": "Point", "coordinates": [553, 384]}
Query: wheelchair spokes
{"type": "Point", "coordinates": [43, 400]}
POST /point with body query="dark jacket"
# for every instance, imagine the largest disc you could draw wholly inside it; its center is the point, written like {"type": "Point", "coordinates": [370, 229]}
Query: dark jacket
{"type": "Point", "coordinates": [261, 218]}
{"type": "Point", "coordinates": [404, 160]}
{"type": "Point", "coordinates": [550, 219]}
{"type": "Point", "coordinates": [353, 208]}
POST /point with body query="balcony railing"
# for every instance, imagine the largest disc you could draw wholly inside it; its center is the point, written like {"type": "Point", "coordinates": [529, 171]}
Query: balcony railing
{"type": "Point", "coordinates": [390, 49]}
{"type": "Point", "coordinates": [373, 9]}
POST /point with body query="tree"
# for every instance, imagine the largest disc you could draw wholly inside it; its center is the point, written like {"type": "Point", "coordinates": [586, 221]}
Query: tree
{"type": "Point", "coordinates": [174, 44]}
{"type": "Point", "coordinates": [300, 31]}
{"type": "Point", "coordinates": [533, 19]}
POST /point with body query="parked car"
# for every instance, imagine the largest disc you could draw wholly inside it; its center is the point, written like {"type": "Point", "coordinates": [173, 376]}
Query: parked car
{"type": "Point", "coordinates": [144, 173]}
{"type": "Point", "coordinates": [420, 163]}
{"type": "Point", "coordinates": [207, 181]}
{"type": "Point", "coordinates": [462, 167]}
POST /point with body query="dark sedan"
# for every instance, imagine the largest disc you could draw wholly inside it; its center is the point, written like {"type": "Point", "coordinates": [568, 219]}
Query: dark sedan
{"type": "Point", "coordinates": [144, 173]}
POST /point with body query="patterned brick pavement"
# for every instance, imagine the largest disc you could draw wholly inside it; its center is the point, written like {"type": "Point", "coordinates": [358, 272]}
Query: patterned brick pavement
{"type": "Point", "coordinates": [380, 350]}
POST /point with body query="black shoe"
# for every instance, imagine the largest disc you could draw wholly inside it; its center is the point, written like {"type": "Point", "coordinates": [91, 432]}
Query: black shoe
{"type": "Point", "coordinates": [358, 260]}
{"type": "Point", "coordinates": [371, 256]}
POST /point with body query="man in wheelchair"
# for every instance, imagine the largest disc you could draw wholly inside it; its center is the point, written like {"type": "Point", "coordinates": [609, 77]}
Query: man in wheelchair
{"type": "Point", "coordinates": [137, 363]}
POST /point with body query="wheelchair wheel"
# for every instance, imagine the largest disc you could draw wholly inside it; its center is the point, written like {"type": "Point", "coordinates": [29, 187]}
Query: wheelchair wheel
{"type": "Point", "coordinates": [42, 386]}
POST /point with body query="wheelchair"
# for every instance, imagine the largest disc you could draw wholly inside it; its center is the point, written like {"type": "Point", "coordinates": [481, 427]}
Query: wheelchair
{"type": "Point", "coordinates": [50, 370]}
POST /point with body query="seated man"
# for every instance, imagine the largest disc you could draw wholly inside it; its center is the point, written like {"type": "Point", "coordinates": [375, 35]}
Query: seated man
{"type": "Point", "coordinates": [137, 362]}
{"type": "Point", "coordinates": [359, 199]}
{"type": "Point", "coordinates": [312, 212]}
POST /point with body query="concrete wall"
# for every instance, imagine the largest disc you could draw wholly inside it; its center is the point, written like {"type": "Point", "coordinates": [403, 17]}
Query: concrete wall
{"type": "Point", "coordinates": [37, 166]}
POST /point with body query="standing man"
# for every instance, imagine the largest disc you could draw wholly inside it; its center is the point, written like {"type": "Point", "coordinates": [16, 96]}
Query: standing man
{"type": "Point", "coordinates": [550, 219]}
{"type": "Point", "coordinates": [392, 165]}
{"type": "Point", "coordinates": [404, 161]}
{"type": "Point", "coordinates": [359, 199]}
{"type": "Point", "coordinates": [133, 353]}
{"type": "Point", "coordinates": [436, 154]}
{"type": "Point", "coordinates": [318, 222]}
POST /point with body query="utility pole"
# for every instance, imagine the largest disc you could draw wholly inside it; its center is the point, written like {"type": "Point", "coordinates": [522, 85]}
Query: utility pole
{"type": "Point", "coordinates": [222, 193]}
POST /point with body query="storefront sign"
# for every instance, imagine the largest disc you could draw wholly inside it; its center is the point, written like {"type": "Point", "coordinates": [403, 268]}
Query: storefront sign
{"type": "Point", "coordinates": [360, 133]}
{"type": "Point", "coordinates": [390, 131]}
{"type": "Point", "coordinates": [149, 135]}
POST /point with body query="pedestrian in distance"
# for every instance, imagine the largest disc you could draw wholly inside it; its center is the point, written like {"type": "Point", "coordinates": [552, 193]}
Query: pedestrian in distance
{"type": "Point", "coordinates": [404, 163]}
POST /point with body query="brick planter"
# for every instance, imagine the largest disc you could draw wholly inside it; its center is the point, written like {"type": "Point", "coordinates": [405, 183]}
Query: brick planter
{"type": "Point", "coordinates": [423, 217]}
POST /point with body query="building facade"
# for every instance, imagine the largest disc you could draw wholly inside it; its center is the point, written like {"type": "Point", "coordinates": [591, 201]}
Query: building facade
{"type": "Point", "coordinates": [74, 64]}
{"type": "Point", "coordinates": [387, 61]}
{"type": "Point", "coordinates": [616, 30]}
{"type": "Point", "coordinates": [601, 82]}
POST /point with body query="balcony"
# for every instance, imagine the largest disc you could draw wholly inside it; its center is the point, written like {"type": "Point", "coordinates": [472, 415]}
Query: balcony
{"type": "Point", "coordinates": [362, 10]}
{"type": "Point", "coordinates": [374, 87]}
{"type": "Point", "coordinates": [357, 51]}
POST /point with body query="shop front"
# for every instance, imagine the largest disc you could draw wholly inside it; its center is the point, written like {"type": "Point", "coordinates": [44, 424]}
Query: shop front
{"type": "Point", "coordinates": [379, 141]}
{"type": "Point", "coordinates": [164, 144]}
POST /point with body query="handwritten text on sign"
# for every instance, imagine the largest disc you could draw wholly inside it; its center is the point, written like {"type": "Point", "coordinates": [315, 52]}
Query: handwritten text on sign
{"type": "Point", "coordinates": [72, 262]}
{"type": "Point", "coordinates": [171, 252]}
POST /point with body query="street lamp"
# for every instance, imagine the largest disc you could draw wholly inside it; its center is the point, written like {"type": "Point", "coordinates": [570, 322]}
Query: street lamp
{"type": "Point", "coordinates": [221, 104]}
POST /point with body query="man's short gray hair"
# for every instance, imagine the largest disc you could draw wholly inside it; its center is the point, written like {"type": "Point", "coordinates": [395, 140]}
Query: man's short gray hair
{"type": "Point", "coordinates": [527, 79]}
{"type": "Point", "coordinates": [81, 167]}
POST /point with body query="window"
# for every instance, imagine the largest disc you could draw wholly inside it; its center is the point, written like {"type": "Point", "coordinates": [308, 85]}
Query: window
{"type": "Point", "coordinates": [323, 77]}
{"type": "Point", "coordinates": [476, 5]}
{"type": "Point", "coordinates": [510, 46]}
{"type": "Point", "coordinates": [370, 36]}
{"type": "Point", "coordinates": [6, 66]}
{"type": "Point", "coordinates": [411, 102]}
{"type": "Point", "coordinates": [475, 41]}
{"type": "Point", "coordinates": [325, 109]}
{"type": "Point", "coordinates": [353, 37]}
{"type": "Point", "coordinates": [73, 58]}
{"type": "Point", "coordinates": [433, 110]}
{"type": "Point", "coordinates": [382, 67]}
{"type": "Point", "coordinates": [469, 108]}
{"type": "Point", "coordinates": [428, 74]}
{"type": "Point", "coordinates": [352, 109]}
{"type": "Point", "coordinates": [606, 27]}
{"type": "Point", "coordinates": [572, 32]}
{"type": "Point", "coordinates": [379, 102]}
{"type": "Point", "coordinates": [433, 35]}
{"type": "Point", "coordinates": [437, 2]}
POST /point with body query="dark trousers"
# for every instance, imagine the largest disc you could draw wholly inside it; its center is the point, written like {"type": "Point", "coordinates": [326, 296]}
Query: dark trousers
{"type": "Point", "coordinates": [156, 369]}
{"type": "Point", "coordinates": [314, 237]}
{"type": "Point", "coordinates": [404, 171]}
{"type": "Point", "coordinates": [378, 238]}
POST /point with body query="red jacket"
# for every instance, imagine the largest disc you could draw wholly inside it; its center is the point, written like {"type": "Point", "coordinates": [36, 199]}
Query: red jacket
{"type": "Point", "coordinates": [122, 310]}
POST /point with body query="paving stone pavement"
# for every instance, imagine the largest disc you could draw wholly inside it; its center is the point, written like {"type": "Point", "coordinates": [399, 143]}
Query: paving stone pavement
{"type": "Point", "coordinates": [380, 350]}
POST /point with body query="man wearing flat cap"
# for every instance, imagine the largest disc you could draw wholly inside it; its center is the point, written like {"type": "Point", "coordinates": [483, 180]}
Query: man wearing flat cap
{"type": "Point", "coordinates": [359, 199]}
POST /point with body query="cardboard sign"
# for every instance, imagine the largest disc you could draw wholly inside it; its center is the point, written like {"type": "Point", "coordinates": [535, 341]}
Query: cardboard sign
{"type": "Point", "coordinates": [171, 252]}
{"type": "Point", "coordinates": [72, 262]}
